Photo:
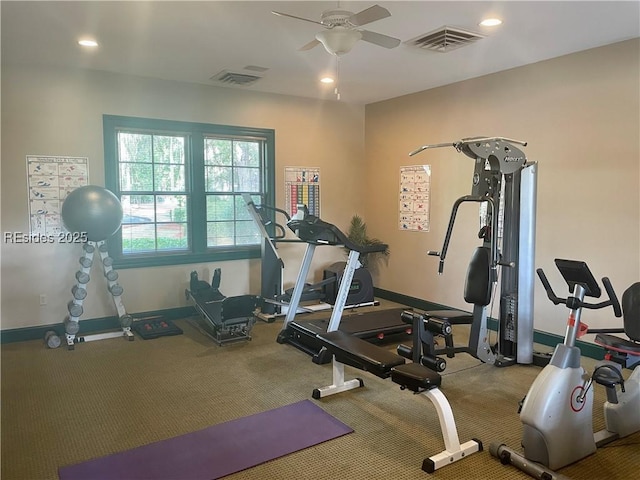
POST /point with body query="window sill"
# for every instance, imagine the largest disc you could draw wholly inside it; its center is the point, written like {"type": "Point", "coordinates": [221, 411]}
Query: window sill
{"type": "Point", "coordinates": [158, 260]}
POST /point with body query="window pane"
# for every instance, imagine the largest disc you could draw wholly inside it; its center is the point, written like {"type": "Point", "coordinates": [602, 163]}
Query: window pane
{"type": "Point", "coordinates": [219, 179]}
{"type": "Point", "coordinates": [171, 208]}
{"type": "Point", "coordinates": [134, 147]}
{"type": "Point", "coordinates": [247, 233]}
{"type": "Point", "coordinates": [138, 238]}
{"type": "Point", "coordinates": [219, 234]}
{"type": "Point", "coordinates": [247, 154]}
{"type": "Point", "coordinates": [136, 176]}
{"type": "Point", "coordinates": [137, 208]}
{"type": "Point", "coordinates": [172, 236]}
{"type": "Point", "coordinates": [247, 180]}
{"type": "Point", "coordinates": [169, 178]}
{"type": "Point", "coordinates": [241, 207]}
{"type": "Point", "coordinates": [218, 151]}
{"type": "Point", "coordinates": [220, 207]}
{"type": "Point", "coordinates": [168, 149]}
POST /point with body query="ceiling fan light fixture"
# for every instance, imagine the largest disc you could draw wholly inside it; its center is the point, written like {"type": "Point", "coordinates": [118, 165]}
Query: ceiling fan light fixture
{"type": "Point", "coordinates": [338, 40]}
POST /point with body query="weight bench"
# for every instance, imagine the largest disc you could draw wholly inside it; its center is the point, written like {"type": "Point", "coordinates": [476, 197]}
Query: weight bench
{"type": "Point", "coordinates": [355, 352]}
{"type": "Point", "coordinates": [225, 319]}
{"type": "Point", "coordinates": [358, 353]}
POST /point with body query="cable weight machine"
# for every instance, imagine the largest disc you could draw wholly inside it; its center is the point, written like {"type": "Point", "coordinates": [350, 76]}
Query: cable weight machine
{"type": "Point", "coordinates": [506, 184]}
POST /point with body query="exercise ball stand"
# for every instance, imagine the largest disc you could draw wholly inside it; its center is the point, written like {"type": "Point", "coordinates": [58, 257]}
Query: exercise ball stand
{"type": "Point", "coordinates": [79, 292]}
{"type": "Point", "coordinates": [95, 213]}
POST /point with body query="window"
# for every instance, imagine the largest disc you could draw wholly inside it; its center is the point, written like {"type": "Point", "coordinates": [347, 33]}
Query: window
{"type": "Point", "coordinates": [181, 184]}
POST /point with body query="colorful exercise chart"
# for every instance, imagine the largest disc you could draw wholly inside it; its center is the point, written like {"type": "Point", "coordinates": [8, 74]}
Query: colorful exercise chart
{"type": "Point", "coordinates": [415, 190]}
{"type": "Point", "coordinates": [49, 180]}
{"type": "Point", "coordinates": [302, 187]}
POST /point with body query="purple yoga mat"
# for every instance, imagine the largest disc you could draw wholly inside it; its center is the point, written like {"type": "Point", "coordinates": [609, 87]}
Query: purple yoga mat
{"type": "Point", "coordinates": [218, 450]}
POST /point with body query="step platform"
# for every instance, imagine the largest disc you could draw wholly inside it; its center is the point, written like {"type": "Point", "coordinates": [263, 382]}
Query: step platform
{"type": "Point", "coordinates": [157, 327]}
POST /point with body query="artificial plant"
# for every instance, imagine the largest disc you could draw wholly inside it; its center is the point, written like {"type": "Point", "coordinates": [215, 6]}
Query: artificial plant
{"type": "Point", "coordinates": [357, 233]}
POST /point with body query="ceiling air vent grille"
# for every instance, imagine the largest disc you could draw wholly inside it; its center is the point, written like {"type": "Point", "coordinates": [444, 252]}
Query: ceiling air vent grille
{"type": "Point", "coordinates": [230, 78]}
{"type": "Point", "coordinates": [444, 39]}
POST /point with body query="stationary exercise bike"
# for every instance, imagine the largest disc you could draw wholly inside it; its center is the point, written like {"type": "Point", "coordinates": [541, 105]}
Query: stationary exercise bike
{"type": "Point", "coordinates": [557, 411]}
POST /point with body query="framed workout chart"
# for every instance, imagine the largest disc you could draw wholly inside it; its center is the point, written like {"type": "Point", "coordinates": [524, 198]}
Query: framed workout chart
{"type": "Point", "coordinates": [415, 191]}
{"type": "Point", "coordinates": [49, 180]}
{"type": "Point", "coordinates": [302, 186]}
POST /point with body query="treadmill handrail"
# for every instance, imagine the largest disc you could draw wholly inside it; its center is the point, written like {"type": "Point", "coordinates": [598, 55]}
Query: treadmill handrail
{"type": "Point", "coordinates": [262, 221]}
{"type": "Point", "coordinates": [315, 231]}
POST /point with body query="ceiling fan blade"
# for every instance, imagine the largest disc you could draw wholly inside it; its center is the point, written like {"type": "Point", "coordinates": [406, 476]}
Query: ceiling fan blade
{"type": "Point", "coordinates": [280, 14]}
{"type": "Point", "coordinates": [380, 39]}
{"type": "Point", "coordinates": [369, 15]}
{"type": "Point", "coordinates": [310, 45]}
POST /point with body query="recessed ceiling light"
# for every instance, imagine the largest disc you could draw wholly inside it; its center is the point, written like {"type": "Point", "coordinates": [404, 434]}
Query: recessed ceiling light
{"type": "Point", "coordinates": [85, 42]}
{"type": "Point", "coordinates": [491, 22]}
{"type": "Point", "coordinates": [327, 80]}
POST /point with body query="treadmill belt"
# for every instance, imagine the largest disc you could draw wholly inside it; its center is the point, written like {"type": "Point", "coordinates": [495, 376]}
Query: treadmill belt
{"type": "Point", "coordinates": [361, 324]}
{"type": "Point", "coordinates": [373, 322]}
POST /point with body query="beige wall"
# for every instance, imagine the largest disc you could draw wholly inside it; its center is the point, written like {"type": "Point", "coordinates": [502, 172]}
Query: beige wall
{"type": "Point", "coordinates": [580, 115]}
{"type": "Point", "coordinates": [59, 112]}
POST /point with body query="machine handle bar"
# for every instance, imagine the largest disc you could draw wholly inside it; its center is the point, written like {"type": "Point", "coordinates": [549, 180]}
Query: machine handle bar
{"type": "Point", "coordinates": [494, 228]}
{"type": "Point", "coordinates": [613, 299]}
{"type": "Point", "coordinates": [458, 145]}
{"type": "Point", "coordinates": [547, 286]}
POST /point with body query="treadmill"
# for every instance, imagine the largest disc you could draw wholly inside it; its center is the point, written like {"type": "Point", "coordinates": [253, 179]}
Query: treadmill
{"type": "Point", "coordinates": [303, 333]}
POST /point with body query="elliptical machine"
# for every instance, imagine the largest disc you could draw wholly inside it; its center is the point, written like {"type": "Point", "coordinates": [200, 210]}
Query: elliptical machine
{"type": "Point", "coordinates": [557, 411]}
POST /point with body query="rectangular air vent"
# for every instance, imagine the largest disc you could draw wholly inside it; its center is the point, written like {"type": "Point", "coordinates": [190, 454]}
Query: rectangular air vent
{"type": "Point", "coordinates": [227, 77]}
{"type": "Point", "coordinates": [256, 68]}
{"type": "Point", "coordinates": [444, 39]}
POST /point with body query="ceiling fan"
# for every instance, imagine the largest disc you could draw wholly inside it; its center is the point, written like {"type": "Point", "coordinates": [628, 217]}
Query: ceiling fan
{"type": "Point", "coordinates": [341, 32]}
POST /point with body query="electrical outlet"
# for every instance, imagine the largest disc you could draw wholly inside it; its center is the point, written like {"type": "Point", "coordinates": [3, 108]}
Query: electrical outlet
{"type": "Point", "coordinates": [43, 299]}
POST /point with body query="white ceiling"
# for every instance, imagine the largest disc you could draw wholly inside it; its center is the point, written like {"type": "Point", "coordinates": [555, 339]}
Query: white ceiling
{"type": "Point", "coordinates": [192, 41]}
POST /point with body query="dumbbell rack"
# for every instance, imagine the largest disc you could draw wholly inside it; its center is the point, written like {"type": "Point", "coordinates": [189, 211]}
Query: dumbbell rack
{"type": "Point", "coordinates": [79, 292]}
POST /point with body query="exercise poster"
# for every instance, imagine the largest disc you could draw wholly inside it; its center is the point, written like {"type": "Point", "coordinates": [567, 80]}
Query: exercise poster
{"type": "Point", "coordinates": [302, 186]}
{"type": "Point", "coordinates": [49, 181]}
{"type": "Point", "coordinates": [415, 190]}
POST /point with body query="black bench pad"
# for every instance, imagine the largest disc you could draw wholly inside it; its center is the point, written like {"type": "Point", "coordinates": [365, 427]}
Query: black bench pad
{"type": "Point", "coordinates": [415, 377]}
{"type": "Point", "coordinates": [454, 317]}
{"type": "Point", "coordinates": [360, 354]}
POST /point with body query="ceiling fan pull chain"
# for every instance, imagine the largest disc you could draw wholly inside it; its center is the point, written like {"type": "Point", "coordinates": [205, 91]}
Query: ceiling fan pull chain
{"type": "Point", "coordinates": [336, 91]}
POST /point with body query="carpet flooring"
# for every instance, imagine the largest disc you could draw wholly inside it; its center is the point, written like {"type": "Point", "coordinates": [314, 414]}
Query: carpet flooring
{"type": "Point", "coordinates": [63, 407]}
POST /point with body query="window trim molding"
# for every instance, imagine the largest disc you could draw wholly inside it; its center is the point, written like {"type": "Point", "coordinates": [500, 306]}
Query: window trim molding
{"type": "Point", "coordinates": [195, 131]}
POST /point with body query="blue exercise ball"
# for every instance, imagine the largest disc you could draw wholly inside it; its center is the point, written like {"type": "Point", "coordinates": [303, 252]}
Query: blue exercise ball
{"type": "Point", "coordinates": [92, 210]}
